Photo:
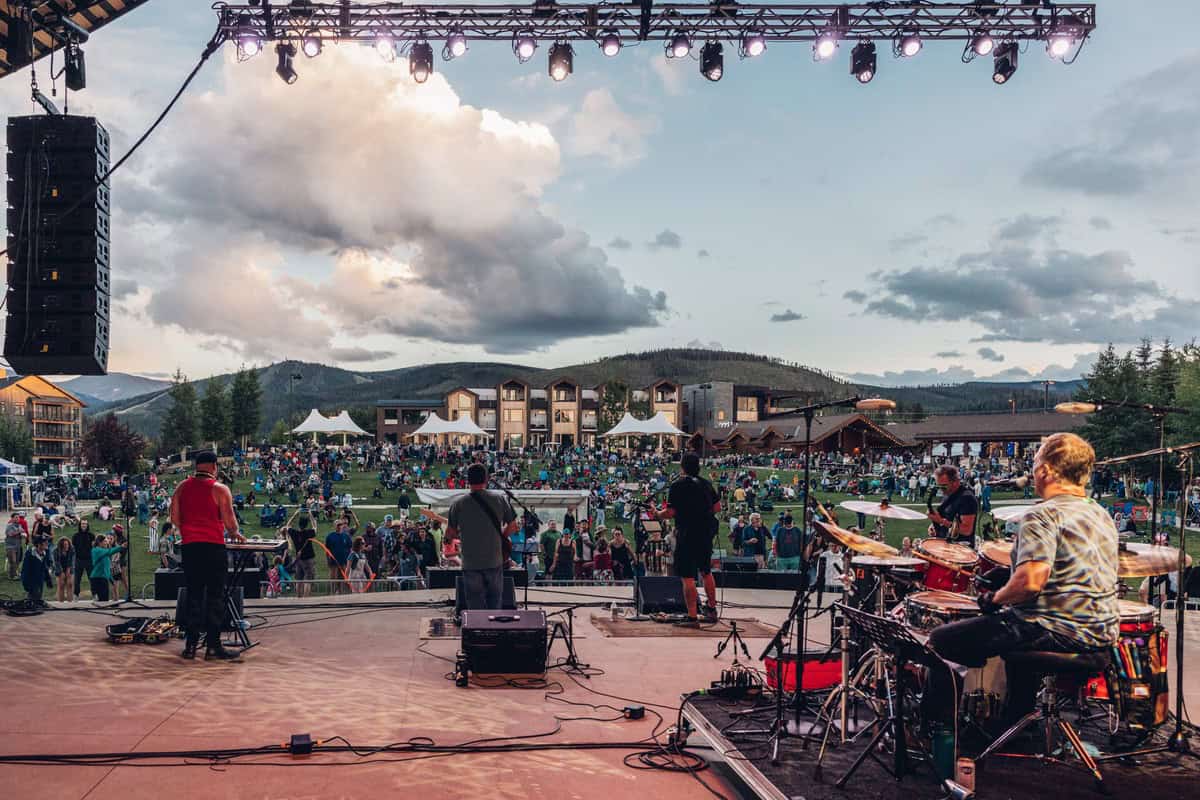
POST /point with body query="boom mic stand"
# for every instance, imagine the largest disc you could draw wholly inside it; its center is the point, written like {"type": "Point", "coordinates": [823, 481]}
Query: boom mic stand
{"type": "Point", "coordinates": [512, 498]}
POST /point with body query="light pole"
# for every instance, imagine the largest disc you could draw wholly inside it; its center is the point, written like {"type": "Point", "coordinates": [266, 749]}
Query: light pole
{"type": "Point", "coordinates": [1046, 400]}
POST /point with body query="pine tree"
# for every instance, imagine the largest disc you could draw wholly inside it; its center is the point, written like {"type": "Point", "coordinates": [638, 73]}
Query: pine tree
{"type": "Point", "coordinates": [214, 412]}
{"type": "Point", "coordinates": [180, 425]}
{"type": "Point", "coordinates": [246, 404]}
{"type": "Point", "coordinates": [16, 440]}
{"type": "Point", "coordinates": [614, 400]}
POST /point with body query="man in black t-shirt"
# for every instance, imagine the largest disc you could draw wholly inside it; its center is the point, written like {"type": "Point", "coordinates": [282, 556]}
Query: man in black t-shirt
{"type": "Point", "coordinates": [306, 558]}
{"type": "Point", "coordinates": [955, 517]}
{"type": "Point", "coordinates": [693, 504]}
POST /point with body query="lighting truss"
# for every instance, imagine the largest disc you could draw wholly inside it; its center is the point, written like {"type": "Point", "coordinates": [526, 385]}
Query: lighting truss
{"type": "Point", "coordinates": [644, 21]}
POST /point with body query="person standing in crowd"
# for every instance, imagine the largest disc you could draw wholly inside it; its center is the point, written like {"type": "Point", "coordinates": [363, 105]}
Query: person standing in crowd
{"type": "Point", "coordinates": [788, 545]}
{"type": "Point", "coordinates": [302, 537]}
{"type": "Point", "coordinates": [36, 571]}
{"type": "Point", "coordinates": [82, 542]}
{"type": "Point", "coordinates": [202, 511]}
{"type": "Point", "coordinates": [62, 564]}
{"type": "Point", "coordinates": [549, 542]}
{"type": "Point", "coordinates": [754, 539]}
{"type": "Point", "coordinates": [339, 545]}
{"type": "Point", "coordinates": [102, 553]}
{"type": "Point", "coordinates": [622, 556]}
{"type": "Point", "coordinates": [14, 540]}
{"type": "Point", "coordinates": [481, 520]}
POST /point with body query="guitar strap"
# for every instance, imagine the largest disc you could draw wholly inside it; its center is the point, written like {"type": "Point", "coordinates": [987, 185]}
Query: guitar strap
{"type": "Point", "coordinates": [487, 509]}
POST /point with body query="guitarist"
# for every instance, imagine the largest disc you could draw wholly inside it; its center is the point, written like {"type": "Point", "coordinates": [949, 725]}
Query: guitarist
{"type": "Point", "coordinates": [483, 521]}
{"type": "Point", "coordinates": [954, 519]}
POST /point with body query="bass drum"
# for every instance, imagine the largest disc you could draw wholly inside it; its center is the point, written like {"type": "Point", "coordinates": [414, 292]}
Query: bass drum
{"type": "Point", "coordinates": [945, 555]}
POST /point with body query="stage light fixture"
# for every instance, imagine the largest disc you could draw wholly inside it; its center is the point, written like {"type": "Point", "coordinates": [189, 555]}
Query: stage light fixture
{"type": "Point", "coordinates": [75, 67]}
{"type": "Point", "coordinates": [1005, 62]}
{"type": "Point", "coordinates": [610, 43]}
{"type": "Point", "coordinates": [983, 44]}
{"type": "Point", "coordinates": [712, 61]}
{"type": "Point", "coordinates": [420, 61]}
{"type": "Point", "coordinates": [910, 44]}
{"type": "Point", "coordinates": [285, 52]}
{"type": "Point", "coordinates": [825, 46]}
{"type": "Point", "coordinates": [524, 46]}
{"type": "Point", "coordinates": [863, 62]}
{"type": "Point", "coordinates": [1059, 44]}
{"type": "Point", "coordinates": [456, 45]}
{"type": "Point", "coordinates": [754, 44]}
{"type": "Point", "coordinates": [679, 46]}
{"type": "Point", "coordinates": [311, 44]}
{"type": "Point", "coordinates": [385, 47]}
{"type": "Point", "coordinates": [562, 61]}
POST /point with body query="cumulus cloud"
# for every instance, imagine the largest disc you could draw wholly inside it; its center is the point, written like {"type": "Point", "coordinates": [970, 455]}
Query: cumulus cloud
{"type": "Point", "coordinates": [988, 354]}
{"type": "Point", "coordinates": [702, 253]}
{"type": "Point", "coordinates": [960, 374]}
{"type": "Point", "coordinates": [1143, 138]}
{"type": "Point", "coordinates": [855, 296]}
{"type": "Point", "coordinates": [1028, 227]}
{"type": "Point", "coordinates": [787, 316]}
{"type": "Point", "coordinates": [620, 243]}
{"type": "Point", "coordinates": [122, 288]}
{"type": "Point", "coordinates": [907, 241]}
{"type": "Point", "coordinates": [668, 239]}
{"type": "Point", "coordinates": [948, 354]}
{"type": "Point", "coordinates": [602, 129]}
{"type": "Point", "coordinates": [356, 355]}
{"type": "Point", "coordinates": [441, 198]}
{"type": "Point", "coordinates": [1020, 292]}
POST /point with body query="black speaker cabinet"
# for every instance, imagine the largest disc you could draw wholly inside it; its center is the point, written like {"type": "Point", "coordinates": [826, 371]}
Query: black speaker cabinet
{"type": "Point", "coordinates": [659, 595]}
{"type": "Point", "coordinates": [505, 642]}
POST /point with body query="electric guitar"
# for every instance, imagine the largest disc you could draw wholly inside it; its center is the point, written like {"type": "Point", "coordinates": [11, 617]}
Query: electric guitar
{"type": "Point", "coordinates": [505, 543]}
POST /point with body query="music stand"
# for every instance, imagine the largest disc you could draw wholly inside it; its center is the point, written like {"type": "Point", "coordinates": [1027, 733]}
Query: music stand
{"type": "Point", "coordinates": [889, 636]}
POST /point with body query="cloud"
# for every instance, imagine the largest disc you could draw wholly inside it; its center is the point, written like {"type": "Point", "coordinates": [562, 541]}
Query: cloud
{"type": "Point", "coordinates": [702, 253]}
{"type": "Point", "coordinates": [855, 296]}
{"type": "Point", "coordinates": [1143, 139]}
{"type": "Point", "coordinates": [988, 354]}
{"type": "Point", "coordinates": [666, 239]}
{"type": "Point", "coordinates": [1019, 292]}
{"type": "Point", "coordinates": [672, 72]}
{"type": "Point", "coordinates": [602, 129]}
{"type": "Point", "coordinates": [787, 316]}
{"type": "Point", "coordinates": [906, 241]}
{"type": "Point", "coordinates": [620, 243]}
{"type": "Point", "coordinates": [944, 219]}
{"type": "Point", "coordinates": [445, 209]}
{"type": "Point", "coordinates": [122, 288]}
{"type": "Point", "coordinates": [1028, 227]}
{"type": "Point", "coordinates": [960, 374]}
{"type": "Point", "coordinates": [948, 354]}
{"type": "Point", "coordinates": [1101, 223]}
{"type": "Point", "coordinates": [699, 345]}
{"type": "Point", "coordinates": [355, 355]}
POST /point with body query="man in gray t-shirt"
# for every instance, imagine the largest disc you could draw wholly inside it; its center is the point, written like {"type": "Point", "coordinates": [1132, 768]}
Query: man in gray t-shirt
{"type": "Point", "coordinates": [481, 520]}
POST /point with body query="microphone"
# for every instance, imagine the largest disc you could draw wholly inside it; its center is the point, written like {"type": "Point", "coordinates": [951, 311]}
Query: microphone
{"type": "Point", "coordinates": [1020, 482]}
{"type": "Point", "coordinates": [1076, 407]}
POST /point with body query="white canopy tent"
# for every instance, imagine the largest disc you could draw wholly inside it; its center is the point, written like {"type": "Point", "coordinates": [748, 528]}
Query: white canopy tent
{"type": "Point", "coordinates": [466, 426]}
{"type": "Point", "coordinates": [344, 425]}
{"type": "Point", "coordinates": [659, 425]}
{"type": "Point", "coordinates": [628, 426]}
{"type": "Point", "coordinates": [12, 468]}
{"type": "Point", "coordinates": [432, 426]}
{"type": "Point", "coordinates": [314, 423]}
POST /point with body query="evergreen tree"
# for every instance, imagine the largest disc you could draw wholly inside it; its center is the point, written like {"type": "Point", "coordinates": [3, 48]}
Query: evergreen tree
{"type": "Point", "coordinates": [16, 440]}
{"type": "Point", "coordinates": [180, 425]}
{"type": "Point", "coordinates": [246, 404]}
{"type": "Point", "coordinates": [214, 412]}
{"type": "Point", "coordinates": [279, 432]}
{"type": "Point", "coordinates": [613, 402]}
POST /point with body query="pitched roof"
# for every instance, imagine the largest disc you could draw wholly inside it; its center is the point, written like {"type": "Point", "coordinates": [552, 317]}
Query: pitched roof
{"type": "Point", "coordinates": [990, 427]}
{"type": "Point", "coordinates": [37, 386]}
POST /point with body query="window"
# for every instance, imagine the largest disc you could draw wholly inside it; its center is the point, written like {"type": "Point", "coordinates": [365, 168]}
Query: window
{"type": "Point", "coordinates": [514, 393]}
{"type": "Point", "coordinates": [720, 415]}
{"type": "Point", "coordinates": [564, 394]}
{"type": "Point", "coordinates": [747, 404]}
{"type": "Point", "coordinates": [391, 416]}
{"type": "Point", "coordinates": [562, 415]}
{"type": "Point", "coordinates": [514, 415]}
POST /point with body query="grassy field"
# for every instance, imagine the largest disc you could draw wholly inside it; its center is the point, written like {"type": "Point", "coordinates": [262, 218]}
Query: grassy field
{"type": "Point", "coordinates": [361, 485]}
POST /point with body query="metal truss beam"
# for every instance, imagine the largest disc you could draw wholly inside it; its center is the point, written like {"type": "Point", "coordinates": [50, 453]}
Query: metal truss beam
{"type": "Point", "coordinates": [645, 21]}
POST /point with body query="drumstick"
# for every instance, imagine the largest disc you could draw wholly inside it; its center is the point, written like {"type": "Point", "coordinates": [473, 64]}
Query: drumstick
{"type": "Point", "coordinates": [940, 563]}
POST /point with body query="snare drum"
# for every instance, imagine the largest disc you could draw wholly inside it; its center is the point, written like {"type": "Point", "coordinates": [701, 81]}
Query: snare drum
{"type": "Point", "coordinates": [995, 554]}
{"type": "Point", "coordinates": [949, 554]}
{"type": "Point", "coordinates": [925, 611]}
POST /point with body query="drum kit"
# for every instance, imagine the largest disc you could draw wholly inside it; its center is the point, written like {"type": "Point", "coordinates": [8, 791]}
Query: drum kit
{"type": "Point", "coordinates": [937, 585]}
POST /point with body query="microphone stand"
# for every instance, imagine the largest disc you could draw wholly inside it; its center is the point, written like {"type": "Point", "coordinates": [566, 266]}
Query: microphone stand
{"type": "Point", "coordinates": [799, 610]}
{"type": "Point", "coordinates": [512, 498]}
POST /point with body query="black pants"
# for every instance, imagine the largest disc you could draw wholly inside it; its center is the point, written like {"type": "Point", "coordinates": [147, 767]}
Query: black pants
{"type": "Point", "coordinates": [99, 588]}
{"type": "Point", "coordinates": [483, 588]}
{"type": "Point", "coordinates": [971, 642]}
{"type": "Point", "coordinates": [204, 573]}
{"type": "Point", "coordinates": [82, 567]}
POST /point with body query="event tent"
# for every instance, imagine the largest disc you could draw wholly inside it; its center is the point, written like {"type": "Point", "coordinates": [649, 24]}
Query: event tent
{"type": "Point", "coordinates": [628, 426]}
{"type": "Point", "coordinates": [432, 426]}
{"type": "Point", "coordinates": [314, 423]}
{"type": "Point", "coordinates": [659, 425]}
{"type": "Point", "coordinates": [12, 468]}
{"type": "Point", "coordinates": [344, 425]}
{"type": "Point", "coordinates": [466, 426]}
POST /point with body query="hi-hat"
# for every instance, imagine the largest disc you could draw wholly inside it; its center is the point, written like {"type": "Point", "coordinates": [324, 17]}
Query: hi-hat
{"type": "Point", "coordinates": [856, 542]}
{"type": "Point", "coordinates": [1007, 513]}
{"type": "Point", "coordinates": [1139, 560]}
{"type": "Point", "coordinates": [885, 510]}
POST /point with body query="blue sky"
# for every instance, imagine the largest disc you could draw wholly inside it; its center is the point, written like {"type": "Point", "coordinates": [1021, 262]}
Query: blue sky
{"type": "Point", "coordinates": [980, 230]}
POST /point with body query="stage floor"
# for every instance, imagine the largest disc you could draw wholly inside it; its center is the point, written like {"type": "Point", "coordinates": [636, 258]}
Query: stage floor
{"type": "Point", "coordinates": [357, 674]}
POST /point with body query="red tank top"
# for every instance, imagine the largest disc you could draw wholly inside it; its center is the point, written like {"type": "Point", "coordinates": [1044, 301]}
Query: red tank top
{"type": "Point", "coordinates": [199, 517]}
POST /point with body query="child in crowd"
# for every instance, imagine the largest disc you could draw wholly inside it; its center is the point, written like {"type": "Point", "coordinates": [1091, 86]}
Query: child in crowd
{"type": "Point", "coordinates": [360, 570]}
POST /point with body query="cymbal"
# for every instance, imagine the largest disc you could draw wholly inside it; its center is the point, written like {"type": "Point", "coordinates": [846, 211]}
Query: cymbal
{"type": "Point", "coordinates": [856, 542]}
{"type": "Point", "coordinates": [885, 510]}
{"type": "Point", "coordinates": [1139, 560]}
{"type": "Point", "coordinates": [1007, 513]}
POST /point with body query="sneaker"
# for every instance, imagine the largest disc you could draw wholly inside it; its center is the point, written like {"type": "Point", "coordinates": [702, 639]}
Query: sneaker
{"type": "Point", "coordinates": [221, 654]}
{"type": "Point", "coordinates": [709, 613]}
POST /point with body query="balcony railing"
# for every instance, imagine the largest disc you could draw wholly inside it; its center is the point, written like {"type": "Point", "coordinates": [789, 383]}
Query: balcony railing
{"type": "Point", "coordinates": [43, 413]}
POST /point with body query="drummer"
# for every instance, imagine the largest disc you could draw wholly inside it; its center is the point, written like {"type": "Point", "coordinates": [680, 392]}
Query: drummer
{"type": "Point", "coordinates": [1062, 595]}
{"type": "Point", "coordinates": [955, 517]}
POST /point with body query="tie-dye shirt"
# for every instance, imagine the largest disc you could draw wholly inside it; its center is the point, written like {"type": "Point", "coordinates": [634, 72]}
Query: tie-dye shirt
{"type": "Point", "coordinates": [1077, 538]}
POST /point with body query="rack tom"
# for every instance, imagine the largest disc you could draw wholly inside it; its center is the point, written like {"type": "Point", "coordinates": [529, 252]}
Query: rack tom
{"type": "Point", "coordinates": [926, 610]}
{"type": "Point", "coordinates": [952, 565]}
{"type": "Point", "coordinates": [995, 554]}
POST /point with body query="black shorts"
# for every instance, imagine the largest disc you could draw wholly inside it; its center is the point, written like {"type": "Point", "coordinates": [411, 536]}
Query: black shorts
{"type": "Point", "coordinates": [692, 557]}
